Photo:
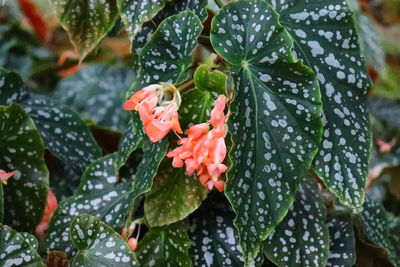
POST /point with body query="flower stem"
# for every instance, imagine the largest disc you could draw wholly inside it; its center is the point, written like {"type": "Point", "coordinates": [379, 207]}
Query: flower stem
{"type": "Point", "coordinates": [219, 3]}
{"type": "Point", "coordinates": [204, 39]}
{"type": "Point", "coordinates": [185, 85]}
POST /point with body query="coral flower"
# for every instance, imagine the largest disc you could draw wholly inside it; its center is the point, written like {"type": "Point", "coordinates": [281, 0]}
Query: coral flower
{"type": "Point", "coordinates": [4, 176]}
{"type": "Point", "coordinates": [204, 150]}
{"type": "Point", "coordinates": [158, 116]}
{"type": "Point", "coordinates": [51, 206]}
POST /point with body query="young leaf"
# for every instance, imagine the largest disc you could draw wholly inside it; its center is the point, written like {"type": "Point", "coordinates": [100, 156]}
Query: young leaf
{"type": "Point", "coordinates": [65, 134]}
{"type": "Point", "coordinates": [342, 252]}
{"type": "Point", "coordinates": [326, 39]}
{"type": "Point", "coordinates": [165, 246]}
{"type": "Point", "coordinates": [173, 197]}
{"type": "Point", "coordinates": [12, 88]}
{"type": "Point", "coordinates": [16, 251]}
{"type": "Point", "coordinates": [303, 236]}
{"type": "Point", "coordinates": [99, 245]}
{"type": "Point", "coordinates": [97, 92]}
{"type": "Point", "coordinates": [86, 21]}
{"type": "Point", "coordinates": [215, 239]}
{"type": "Point", "coordinates": [57, 259]}
{"type": "Point", "coordinates": [275, 121]}
{"type": "Point", "coordinates": [168, 54]}
{"type": "Point", "coordinates": [135, 13]}
{"type": "Point", "coordinates": [22, 149]}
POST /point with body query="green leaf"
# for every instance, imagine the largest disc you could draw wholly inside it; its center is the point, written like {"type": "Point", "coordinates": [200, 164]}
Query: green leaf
{"type": "Point", "coordinates": [197, 103]}
{"type": "Point", "coordinates": [168, 54]}
{"type": "Point", "coordinates": [22, 149]}
{"type": "Point", "coordinates": [16, 251]}
{"type": "Point", "coordinates": [12, 88]}
{"type": "Point", "coordinates": [165, 246]}
{"type": "Point", "coordinates": [326, 39]}
{"type": "Point", "coordinates": [303, 236]}
{"type": "Point", "coordinates": [131, 140]}
{"type": "Point", "coordinates": [173, 197]}
{"type": "Point", "coordinates": [342, 252]}
{"type": "Point", "coordinates": [99, 245]}
{"type": "Point", "coordinates": [198, 7]}
{"type": "Point", "coordinates": [97, 92]}
{"type": "Point", "coordinates": [141, 40]}
{"type": "Point", "coordinates": [215, 239]}
{"type": "Point", "coordinates": [1, 204]}
{"type": "Point", "coordinates": [275, 121]}
{"type": "Point", "coordinates": [86, 21]}
{"type": "Point", "coordinates": [65, 134]}
{"type": "Point", "coordinates": [105, 194]}
{"type": "Point", "coordinates": [31, 240]}
{"type": "Point", "coordinates": [135, 13]}
{"type": "Point", "coordinates": [394, 235]}
{"type": "Point", "coordinates": [386, 110]}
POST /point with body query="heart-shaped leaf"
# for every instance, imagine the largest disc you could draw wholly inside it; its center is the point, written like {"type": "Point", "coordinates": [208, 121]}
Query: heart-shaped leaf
{"type": "Point", "coordinates": [22, 149]}
{"type": "Point", "coordinates": [342, 252]}
{"type": "Point", "coordinates": [302, 237]}
{"type": "Point", "coordinates": [165, 246]}
{"type": "Point", "coordinates": [168, 54]}
{"type": "Point", "coordinates": [275, 121]}
{"type": "Point", "coordinates": [86, 21]}
{"type": "Point", "coordinates": [173, 197]}
{"type": "Point", "coordinates": [16, 251]}
{"type": "Point", "coordinates": [334, 54]}
{"type": "Point", "coordinates": [136, 12]}
{"type": "Point", "coordinates": [97, 92]}
{"type": "Point", "coordinates": [99, 245]}
{"type": "Point", "coordinates": [12, 88]}
{"type": "Point", "coordinates": [65, 134]}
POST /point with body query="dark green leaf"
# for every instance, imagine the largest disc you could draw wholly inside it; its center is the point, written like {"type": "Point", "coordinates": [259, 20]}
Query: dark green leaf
{"type": "Point", "coordinates": [16, 251]}
{"type": "Point", "coordinates": [99, 245]}
{"type": "Point", "coordinates": [31, 240]}
{"type": "Point", "coordinates": [198, 7]}
{"type": "Point", "coordinates": [22, 149]}
{"type": "Point", "coordinates": [12, 88]}
{"type": "Point", "coordinates": [275, 121]}
{"type": "Point", "coordinates": [131, 140]}
{"type": "Point", "coordinates": [173, 197]}
{"type": "Point", "coordinates": [166, 246]}
{"type": "Point", "coordinates": [97, 92]}
{"type": "Point", "coordinates": [325, 37]}
{"type": "Point", "coordinates": [386, 110]}
{"type": "Point", "coordinates": [302, 239]}
{"type": "Point", "coordinates": [86, 21]}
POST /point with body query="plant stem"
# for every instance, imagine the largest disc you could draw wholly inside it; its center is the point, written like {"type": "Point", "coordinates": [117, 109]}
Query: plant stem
{"type": "Point", "coordinates": [204, 39]}
{"type": "Point", "coordinates": [219, 3]}
{"type": "Point", "coordinates": [185, 85]}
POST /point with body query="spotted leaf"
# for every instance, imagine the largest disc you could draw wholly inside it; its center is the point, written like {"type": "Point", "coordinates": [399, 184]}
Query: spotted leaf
{"type": "Point", "coordinates": [165, 246]}
{"type": "Point", "coordinates": [22, 149]}
{"type": "Point", "coordinates": [15, 250]}
{"type": "Point", "coordinates": [97, 92]}
{"type": "Point", "coordinates": [303, 237]}
{"type": "Point", "coordinates": [275, 122]}
{"type": "Point", "coordinates": [31, 240]}
{"type": "Point", "coordinates": [173, 197]}
{"type": "Point", "coordinates": [166, 57]}
{"type": "Point", "coordinates": [342, 252]}
{"type": "Point", "coordinates": [141, 40]}
{"type": "Point", "coordinates": [197, 103]}
{"type": "Point", "coordinates": [215, 239]}
{"type": "Point", "coordinates": [135, 13]}
{"type": "Point", "coordinates": [131, 140]}
{"type": "Point", "coordinates": [334, 54]}
{"type": "Point", "coordinates": [12, 88]}
{"type": "Point", "coordinates": [199, 7]}
{"type": "Point", "coordinates": [86, 21]}
{"type": "Point", "coordinates": [105, 194]}
{"type": "Point", "coordinates": [99, 245]}
{"type": "Point", "coordinates": [65, 134]}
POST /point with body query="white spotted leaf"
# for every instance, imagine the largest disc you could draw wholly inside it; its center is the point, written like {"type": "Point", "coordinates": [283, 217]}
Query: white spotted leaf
{"type": "Point", "coordinates": [105, 193]}
{"type": "Point", "coordinates": [342, 251]}
{"type": "Point", "coordinates": [97, 92]}
{"type": "Point", "coordinates": [22, 149]}
{"type": "Point", "coordinates": [326, 39]}
{"type": "Point", "coordinates": [31, 240]}
{"type": "Point", "coordinates": [199, 7]}
{"type": "Point", "coordinates": [173, 196]}
{"type": "Point", "coordinates": [275, 122]}
{"type": "Point", "coordinates": [166, 246]}
{"type": "Point", "coordinates": [131, 140]}
{"type": "Point", "coordinates": [65, 134]}
{"type": "Point", "coordinates": [167, 56]}
{"type": "Point", "coordinates": [86, 21]}
{"type": "Point", "coordinates": [12, 88]}
{"type": "Point", "coordinates": [15, 250]}
{"type": "Point", "coordinates": [302, 238]}
{"type": "Point", "coordinates": [99, 245]}
{"type": "Point", "coordinates": [135, 13]}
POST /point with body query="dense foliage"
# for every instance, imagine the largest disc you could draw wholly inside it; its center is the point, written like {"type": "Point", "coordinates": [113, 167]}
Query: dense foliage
{"type": "Point", "coordinates": [199, 133]}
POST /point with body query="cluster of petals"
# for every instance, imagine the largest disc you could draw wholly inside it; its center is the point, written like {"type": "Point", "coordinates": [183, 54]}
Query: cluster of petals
{"type": "Point", "coordinates": [203, 151]}
{"type": "Point", "coordinates": [51, 206]}
{"type": "Point", "coordinates": [132, 241]}
{"type": "Point", "coordinates": [4, 176]}
{"type": "Point", "coordinates": [158, 116]}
